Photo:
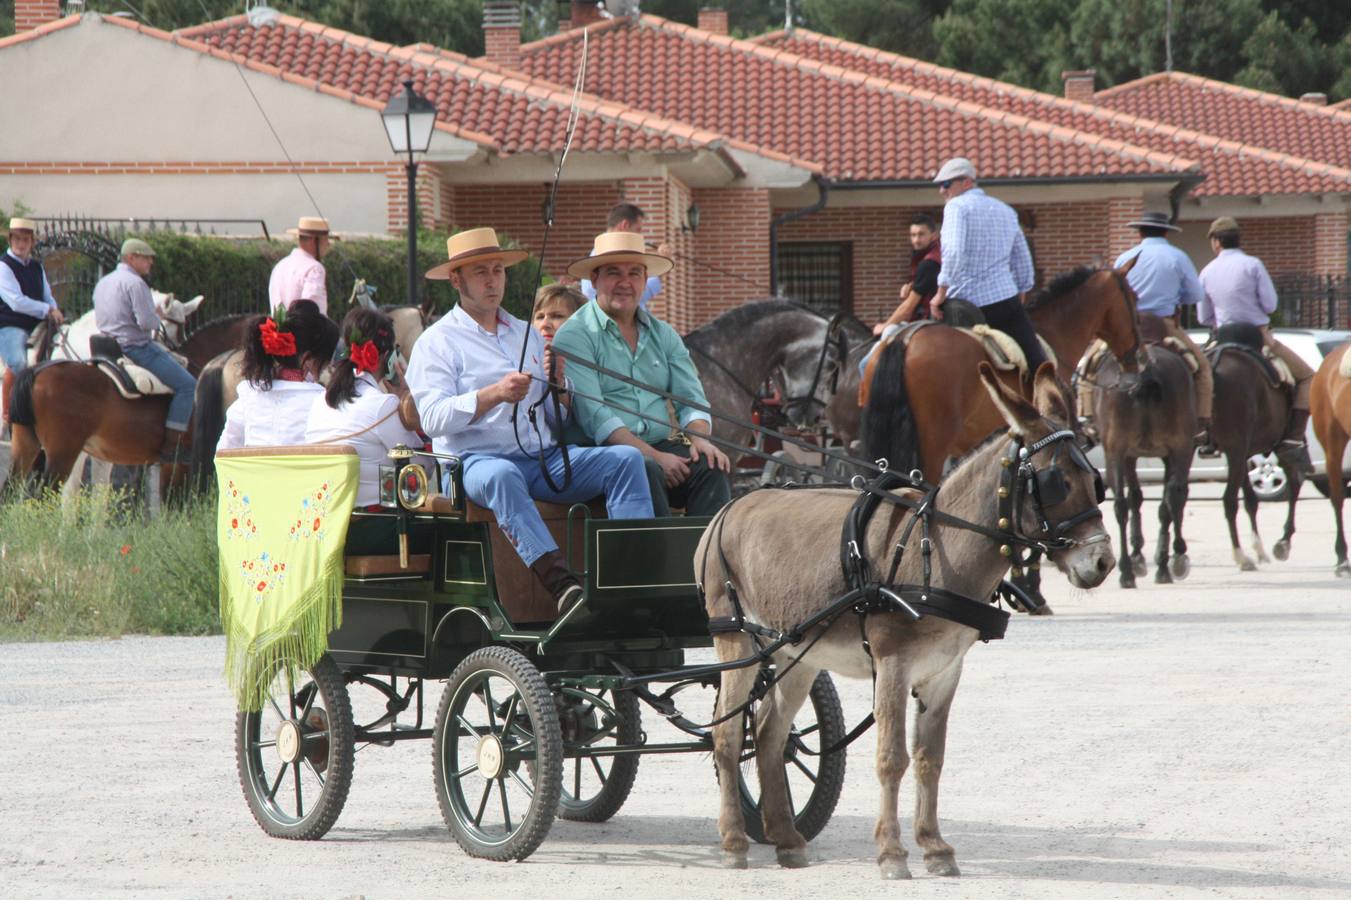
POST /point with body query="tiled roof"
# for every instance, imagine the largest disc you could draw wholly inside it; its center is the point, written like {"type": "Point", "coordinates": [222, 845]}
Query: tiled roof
{"type": "Point", "coordinates": [1237, 113]}
{"type": "Point", "coordinates": [859, 127]}
{"type": "Point", "coordinates": [516, 114]}
{"type": "Point", "coordinates": [1231, 166]}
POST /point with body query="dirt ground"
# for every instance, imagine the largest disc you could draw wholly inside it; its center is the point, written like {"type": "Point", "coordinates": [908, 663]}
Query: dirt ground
{"type": "Point", "coordinates": [1180, 741]}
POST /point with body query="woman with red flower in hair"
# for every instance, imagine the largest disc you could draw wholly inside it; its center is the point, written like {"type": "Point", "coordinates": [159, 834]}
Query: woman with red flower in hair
{"type": "Point", "coordinates": [361, 409]}
{"type": "Point", "coordinates": [283, 355]}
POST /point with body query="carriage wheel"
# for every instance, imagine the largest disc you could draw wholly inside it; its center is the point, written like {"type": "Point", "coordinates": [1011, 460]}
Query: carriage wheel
{"type": "Point", "coordinates": [497, 755]}
{"type": "Point", "coordinates": [595, 787]}
{"type": "Point", "coordinates": [814, 781]}
{"type": "Point", "coordinates": [295, 754]}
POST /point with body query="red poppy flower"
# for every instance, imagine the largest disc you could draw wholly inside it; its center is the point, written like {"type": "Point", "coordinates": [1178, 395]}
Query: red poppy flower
{"type": "Point", "coordinates": [365, 357]}
{"type": "Point", "coordinates": [126, 548]}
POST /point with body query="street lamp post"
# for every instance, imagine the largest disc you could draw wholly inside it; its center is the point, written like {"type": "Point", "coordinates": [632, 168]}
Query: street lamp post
{"type": "Point", "coordinates": [409, 119]}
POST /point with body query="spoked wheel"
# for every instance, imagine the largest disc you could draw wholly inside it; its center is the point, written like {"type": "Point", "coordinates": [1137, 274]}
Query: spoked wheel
{"type": "Point", "coordinates": [497, 755]}
{"type": "Point", "coordinates": [814, 781]}
{"type": "Point", "coordinates": [595, 787]}
{"type": "Point", "coordinates": [295, 754]}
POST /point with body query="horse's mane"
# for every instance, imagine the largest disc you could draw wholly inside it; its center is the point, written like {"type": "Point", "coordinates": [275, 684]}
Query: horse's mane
{"type": "Point", "coordinates": [747, 313]}
{"type": "Point", "coordinates": [1062, 286]}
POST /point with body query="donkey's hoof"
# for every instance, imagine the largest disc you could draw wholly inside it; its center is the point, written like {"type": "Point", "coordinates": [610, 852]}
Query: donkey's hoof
{"type": "Point", "coordinates": [943, 866]}
{"type": "Point", "coordinates": [1343, 569]}
{"type": "Point", "coordinates": [732, 860]}
{"type": "Point", "coordinates": [1281, 550]}
{"type": "Point", "coordinates": [792, 857]}
{"type": "Point", "coordinates": [1138, 564]}
{"type": "Point", "coordinates": [1181, 566]}
{"type": "Point", "coordinates": [894, 870]}
{"type": "Point", "coordinates": [1043, 610]}
{"type": "Point", "coordinates": [1127, 581]}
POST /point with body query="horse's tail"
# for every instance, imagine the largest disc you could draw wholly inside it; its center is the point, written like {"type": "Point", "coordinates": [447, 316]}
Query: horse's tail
{"type": "Point", "coordinates": [208, 420]}
{"type": "Point", "coordinates": [888, 424]}
{"type": "Point", "coordinates": [21, 409]}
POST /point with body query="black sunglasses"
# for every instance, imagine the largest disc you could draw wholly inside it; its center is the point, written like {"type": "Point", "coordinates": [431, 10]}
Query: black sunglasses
{"type": "Point", "coordinates": [944, 185]}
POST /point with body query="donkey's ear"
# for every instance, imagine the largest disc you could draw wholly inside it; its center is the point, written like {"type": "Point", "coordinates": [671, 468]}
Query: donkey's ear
{"type": "Point", "coordinates": [1049, 394]}
{"type": "Point", "coordinates": [191, 306]}
{"type": "Point", "coordinates": [1016, 411]}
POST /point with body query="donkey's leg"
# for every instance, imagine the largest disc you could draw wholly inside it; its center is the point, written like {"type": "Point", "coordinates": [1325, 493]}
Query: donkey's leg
{"type": "Point", "coordinates": [1175, 502]}
{"type": "Point", "coordinates": [931, 737]}
{"type": "Point", "coordinates": [1236, 479]}
{"type": "Point", "coordinates": [1116, 477]}
{"type": "Point", "coordinates": [1161, 574]}
{"type": "Point", "coordinates": [890, 692]}
{"type": "Point", "coordinates": [1137, 499]}
{"type": "Point", "coordinates": [771, 735]}
{"type": "Point", "coordinates": [736, 687]}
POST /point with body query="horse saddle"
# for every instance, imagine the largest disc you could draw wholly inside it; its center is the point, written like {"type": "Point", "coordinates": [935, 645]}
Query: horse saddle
{"type": "Point", "coordinates": [1154, 330]}
{"type": "Point", "coordinates": [1241, 337]}
{"type": "Point", "coordinates": [1002, 350]}
{"type": "Point", "coordinates": [131, 381]}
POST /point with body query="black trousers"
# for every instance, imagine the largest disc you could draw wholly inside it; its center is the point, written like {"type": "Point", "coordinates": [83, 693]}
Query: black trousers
{"type": "Point", "coordinates": [1009, 317]}
{"type": "Point", "coordinates": [702, 494]}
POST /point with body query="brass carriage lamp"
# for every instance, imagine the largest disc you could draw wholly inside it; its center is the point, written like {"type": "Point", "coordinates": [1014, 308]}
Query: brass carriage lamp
{"type": "Point", "coordinates": [409, 120]}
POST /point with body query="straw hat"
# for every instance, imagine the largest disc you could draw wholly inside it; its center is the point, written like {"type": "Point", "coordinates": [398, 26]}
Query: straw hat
{"type": "Point", "coordinates": [311, 226]}
{"type": "Point", "coordinates": [619, 247]}
{"type": "Point", "coordinates": [18, 224]}
{"type": "Point", "coordinates": [473, 245]}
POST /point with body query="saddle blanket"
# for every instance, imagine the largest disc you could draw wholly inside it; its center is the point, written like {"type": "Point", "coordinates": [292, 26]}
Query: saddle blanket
{"type": "Point", "coordinates": [1003, 350]}
{"type": "Point", "coordinates": [131, 380]}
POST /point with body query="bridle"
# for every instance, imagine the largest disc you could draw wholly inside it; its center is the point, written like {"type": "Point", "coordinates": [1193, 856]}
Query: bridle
{"type": "Point", "coordinates": [1046, 488]}
{"type": "Point", "coordinates": [836, 337]}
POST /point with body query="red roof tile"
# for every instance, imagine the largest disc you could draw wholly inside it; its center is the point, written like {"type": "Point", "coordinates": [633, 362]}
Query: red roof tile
{"type": "Point", "coordinates": [1231, 167]}
{"type": "Point", "coordinates": [1239, 114]}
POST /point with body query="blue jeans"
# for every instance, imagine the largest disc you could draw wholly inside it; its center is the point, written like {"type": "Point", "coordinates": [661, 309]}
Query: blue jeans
{"type": "Point", "coordinates": [14, 349]}
{"type": "Point", "coordinates": [506, 484]}
{"type": "Point", "coordinates": [164, 367]}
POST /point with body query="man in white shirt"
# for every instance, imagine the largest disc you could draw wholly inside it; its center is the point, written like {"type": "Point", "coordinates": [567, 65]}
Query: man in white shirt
{"type": "Point", "coordinates": [301, 275]}
{"type": "Point", "coordinates": [464, 378]}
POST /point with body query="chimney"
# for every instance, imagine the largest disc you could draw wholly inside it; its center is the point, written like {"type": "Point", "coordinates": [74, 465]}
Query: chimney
{"type": "Point", "coordinates": [581, 14]}
{"type": "Point", "coordinates": [714, 20]}
{"type": "Point", "coordinates": [29, 14]}
{"type": "Point", "coordinates": [1080, 84]}
{"type": "Point", "coordinates": [1314, 99]}
{"type": "Point", "coordinates": [502, 32]}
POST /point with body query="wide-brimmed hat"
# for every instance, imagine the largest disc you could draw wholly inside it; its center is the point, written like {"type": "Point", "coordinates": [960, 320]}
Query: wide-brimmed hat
{"type": "Point", "coordinates": [1153, 220]}
{"type": "Point", "coordinates": [1221, 225]}
{"type": "Point", "coordinates": [473, 245]}
{"type": "Point", "coordinates": [20, 224]}
{"type": "Point", "coordinates": [312, 226]}
{"type": "Point", "coordinates": [957, 167]}
{"type": "Point", "coordinates": [619, 247]}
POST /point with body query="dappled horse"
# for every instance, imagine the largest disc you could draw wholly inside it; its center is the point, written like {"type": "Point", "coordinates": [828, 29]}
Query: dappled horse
{"type": "Point", "coordinates": [926, 404]}
{"type": "Point", "coordinates": [1252, 408]}
{"type": "Point", "coordinates": [777, 553]}
{"type": "Point", "coordinates": [1330, 410]}
{"type": "Point", "coordinates": [1151, 413]}
{"type": "Point", "coordinates": [797, 348]}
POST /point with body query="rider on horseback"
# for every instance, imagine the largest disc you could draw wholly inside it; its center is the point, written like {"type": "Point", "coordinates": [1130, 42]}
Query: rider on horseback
{"type": "Point", "coordinates": [25, 300]}
{"type": "Point", "coordinates": [1238, 289]}
{"type": "Point", "coordinates": [1163, 279]}
{"type": "Point", "coordinates": [985, 258]}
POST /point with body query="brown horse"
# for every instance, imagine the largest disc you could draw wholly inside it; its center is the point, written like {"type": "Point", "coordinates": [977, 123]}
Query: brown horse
{"type": "Point", "coordinates": [1250, 418]}
{"type": "Point", "coordinates": [1152, 413]}
{"type": "Point", "coordinates": [781, 551]}
{"type": "Point", "coordinates": [1330, 409]}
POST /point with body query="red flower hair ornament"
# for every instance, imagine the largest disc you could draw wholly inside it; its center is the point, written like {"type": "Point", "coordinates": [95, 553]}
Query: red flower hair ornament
{"type": "Point", "coordinates": [276, 343]}
{"type": "Point", "coordinates": [365, 357]}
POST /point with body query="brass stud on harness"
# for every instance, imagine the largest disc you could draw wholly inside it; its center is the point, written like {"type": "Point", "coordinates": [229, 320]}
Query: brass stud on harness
{"type": "Point", "coordinates": [1003, 523]}
{"type": "Point", "coordinates": [1005, 550]}
{"type": "Point", "coordinates": [1003, 491]}
{"type": "Point", "coordinates": [1005, 461]}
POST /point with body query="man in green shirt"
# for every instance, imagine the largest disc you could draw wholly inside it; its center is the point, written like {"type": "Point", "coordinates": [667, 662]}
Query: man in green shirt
{"type": "Point", "coordinates": [612, 331]}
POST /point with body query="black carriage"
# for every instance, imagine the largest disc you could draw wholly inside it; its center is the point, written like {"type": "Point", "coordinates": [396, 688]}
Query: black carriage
{"type": "Point", "coordinates": [540, 715]}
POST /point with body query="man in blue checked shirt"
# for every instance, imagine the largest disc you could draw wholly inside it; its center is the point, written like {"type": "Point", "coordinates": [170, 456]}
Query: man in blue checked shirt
{"type": "Point", "coordinates": [985, 257]}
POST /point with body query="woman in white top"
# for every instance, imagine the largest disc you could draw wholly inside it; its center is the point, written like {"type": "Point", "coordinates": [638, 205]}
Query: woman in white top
{"type": "Point", "coordinates": [283, 355]}
{"type": "Point", "coordinates": [361, 408]}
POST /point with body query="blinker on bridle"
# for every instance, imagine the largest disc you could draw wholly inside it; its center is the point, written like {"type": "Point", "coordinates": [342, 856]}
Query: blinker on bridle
{"type": "Point", "coordinates": [1047, 488]}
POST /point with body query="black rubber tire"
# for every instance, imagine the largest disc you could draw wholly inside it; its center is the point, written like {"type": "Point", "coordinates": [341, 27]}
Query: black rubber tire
{"type": "Point", "coordinates": [326, 767]}
{"type": "Point", "coordinates": [617, 782]}
{"type": "Point", "coordinates": [456, 755]}
{"type": "Point", "coordinates": [810, 817]}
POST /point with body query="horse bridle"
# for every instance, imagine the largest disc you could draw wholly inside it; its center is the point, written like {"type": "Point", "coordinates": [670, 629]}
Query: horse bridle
{"type": "Point", "coordinates": [1047, 489]}
{"type": "Point", "coordinates": [836, 336]}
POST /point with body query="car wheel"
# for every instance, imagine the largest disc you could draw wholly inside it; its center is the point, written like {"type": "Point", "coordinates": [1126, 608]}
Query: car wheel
{"type": "Point", "coordinates": [1267, 477]}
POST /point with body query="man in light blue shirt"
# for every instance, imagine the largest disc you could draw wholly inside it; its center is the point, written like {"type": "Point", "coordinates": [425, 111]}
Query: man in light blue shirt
{"type": "Point", "coordinates": [627, 217]}
{"type": "Point", "coordinates": [1238, 289]}
{"type": "Point", "coordinates": [1164, 279]}
{"type": "Point", "coordinates": [464, 379]}
{"type": "Point", "coordinates": [985, 257]}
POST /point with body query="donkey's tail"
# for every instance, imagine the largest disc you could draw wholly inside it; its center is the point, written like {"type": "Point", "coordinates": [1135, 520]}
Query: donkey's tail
{"type": "Point", "coordinates": [208, 420]}
{"type": "Point", "coordinates": [888, 424]}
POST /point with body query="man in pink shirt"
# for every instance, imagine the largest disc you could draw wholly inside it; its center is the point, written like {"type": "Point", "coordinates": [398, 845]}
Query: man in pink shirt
{"type": "Point", "coordinates": [301, 276]}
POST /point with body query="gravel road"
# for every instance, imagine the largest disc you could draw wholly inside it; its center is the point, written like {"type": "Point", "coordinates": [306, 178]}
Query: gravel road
{"type": "Point", "coordinates": [1177, 741]}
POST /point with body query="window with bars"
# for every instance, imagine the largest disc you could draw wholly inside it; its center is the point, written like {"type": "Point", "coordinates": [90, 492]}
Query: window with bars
{"type": "Point", "coordinates": [819, 275]}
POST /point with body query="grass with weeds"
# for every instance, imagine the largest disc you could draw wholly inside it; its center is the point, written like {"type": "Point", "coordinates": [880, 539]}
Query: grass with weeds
{"type": "Point", "coordinates": [93, 567]}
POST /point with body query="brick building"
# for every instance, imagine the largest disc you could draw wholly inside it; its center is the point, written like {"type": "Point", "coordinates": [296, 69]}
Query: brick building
{"type": "Point", "coordinates": [803, 155]}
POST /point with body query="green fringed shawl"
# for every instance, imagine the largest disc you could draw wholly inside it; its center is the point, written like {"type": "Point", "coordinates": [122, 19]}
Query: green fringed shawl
{"type": "Point", "coordinates": [281, 525]}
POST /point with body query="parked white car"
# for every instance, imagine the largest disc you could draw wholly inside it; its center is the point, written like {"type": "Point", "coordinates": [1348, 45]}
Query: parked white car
{"type": "Point", "coordinates": [1267, 477]}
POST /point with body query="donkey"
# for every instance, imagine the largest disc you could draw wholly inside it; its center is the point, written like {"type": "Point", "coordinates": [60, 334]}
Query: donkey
{"type": "Point", "coordinates": [767, 546]}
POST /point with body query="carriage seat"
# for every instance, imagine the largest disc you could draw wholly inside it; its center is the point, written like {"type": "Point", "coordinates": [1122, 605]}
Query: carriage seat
{"type": "Point", "coordinates": [549, 512]}
{"type": "Point", "coordinates": [371, 566]}
{"type": "Point", "coordinates": [131, 381]}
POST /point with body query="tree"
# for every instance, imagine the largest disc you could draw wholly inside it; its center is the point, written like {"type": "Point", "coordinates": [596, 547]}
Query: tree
{"type": "Point", "coordinates": [901, 26]}
{"type": "Point", "coordinates": [1022, 41]}
{"type": "Point", "coordinates": [1291, 61]}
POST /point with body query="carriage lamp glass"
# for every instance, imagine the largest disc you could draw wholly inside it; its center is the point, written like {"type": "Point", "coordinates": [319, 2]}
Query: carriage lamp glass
{"type": "Point", "coordinates": [409, 119]}
{"type": "Point", "coordinates": [387, 496]}
{"type": "Point", "coordinates": [691, 219]}
{"type": "Point", "coordinates": [412, 486]}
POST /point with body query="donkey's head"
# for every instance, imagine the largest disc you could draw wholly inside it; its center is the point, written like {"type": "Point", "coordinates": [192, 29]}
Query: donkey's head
{"type": "Point", "coordinates": [174, 314]}
{"type": "Point", "coordinates": [1049, 492]}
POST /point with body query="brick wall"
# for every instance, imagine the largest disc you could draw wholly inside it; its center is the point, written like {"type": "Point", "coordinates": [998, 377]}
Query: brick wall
{"type": "Point", "coordinates": [502, 45]}
{"type": "Point", "coordinates": [1120, 236]}
{"type": "Point", "coordinates": [1283, 244]}
{"type": "Point", "coordinates": [518, 211]}
{"type": "Point", "coordinates": [1330, 233]}
{"type": "Point", "coordinates": [29, 14]}
{"type": "Point", "coordinates": [430, 203]}
{"type": "Point", "coordinates": [733, 235]}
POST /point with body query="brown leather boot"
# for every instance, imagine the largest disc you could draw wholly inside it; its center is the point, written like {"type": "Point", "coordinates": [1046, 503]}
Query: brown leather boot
{"type": "Point", "coordinates": [1293, 448]}
{"type": "Point", "coordinates": [552, 571]}
{"type": "Point", "coordinates": [1205, 442]}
